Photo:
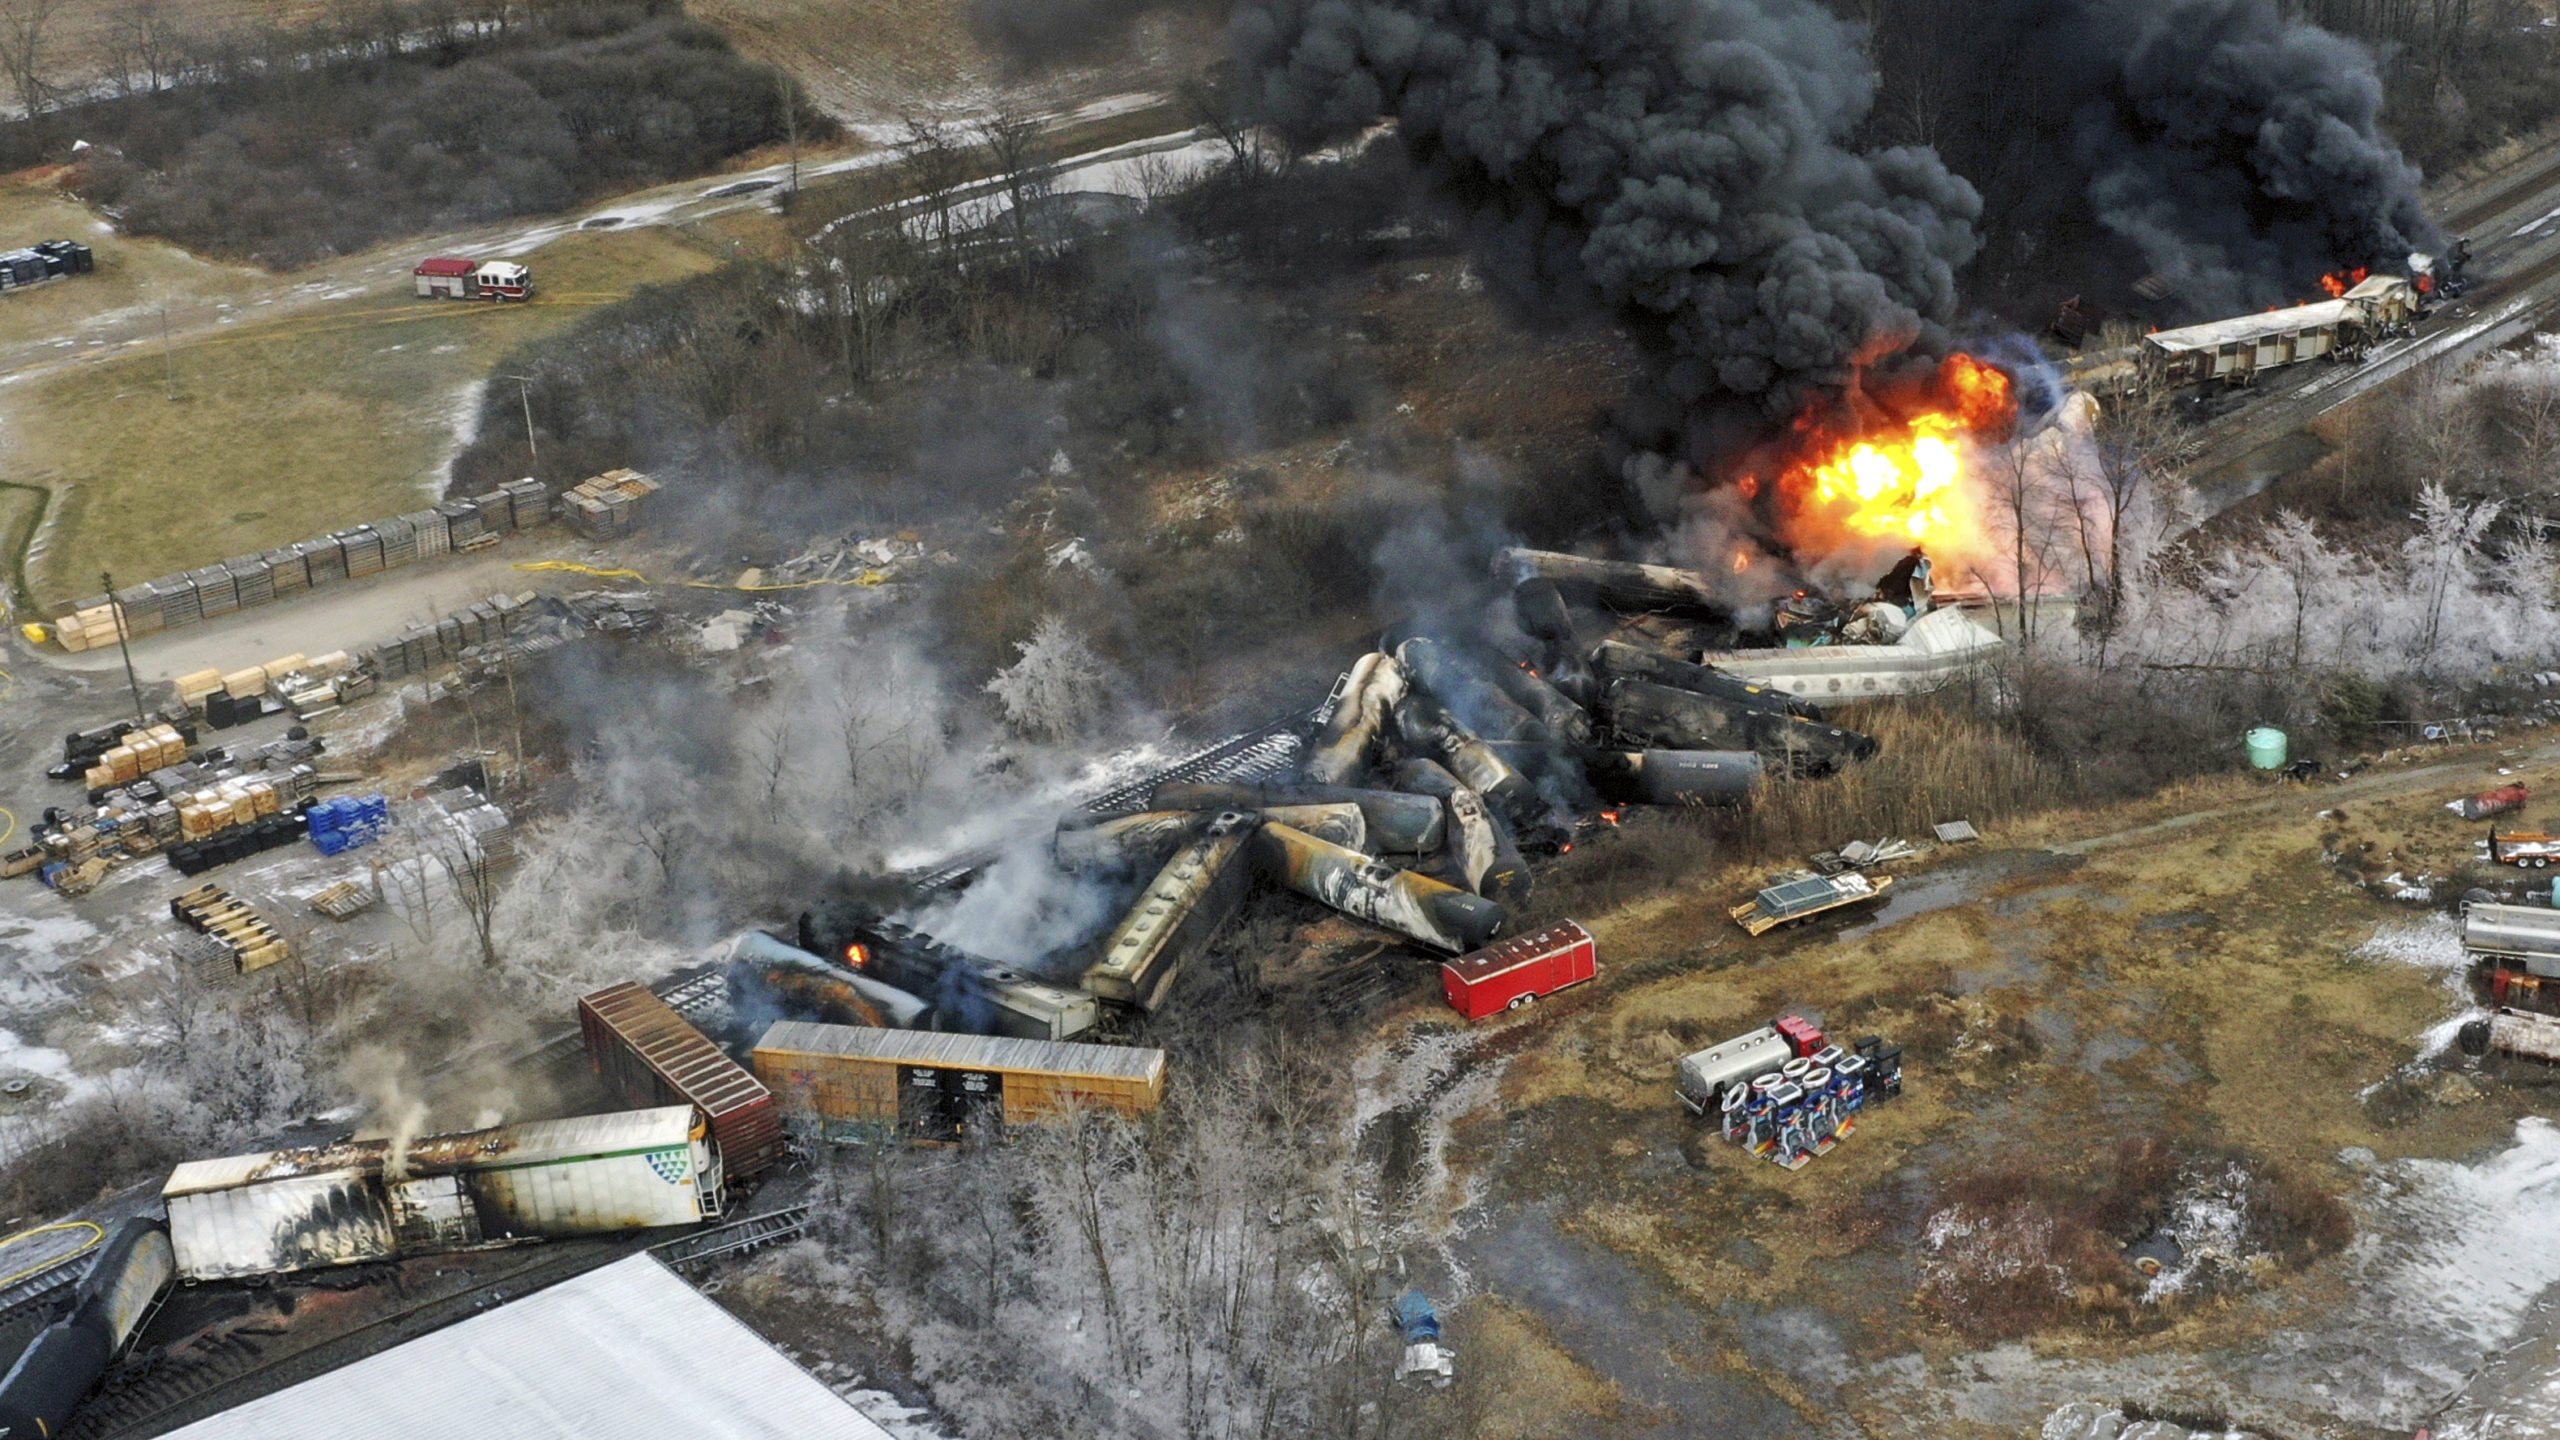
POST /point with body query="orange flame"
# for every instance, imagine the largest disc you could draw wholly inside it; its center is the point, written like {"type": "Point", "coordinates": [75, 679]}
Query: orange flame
{"type": "Point", "coordinates": [857, 955]}
{"type": "Point", "coordinates": [1897, 478]}
{"type": "Point", "coordinates": [2339, 285]}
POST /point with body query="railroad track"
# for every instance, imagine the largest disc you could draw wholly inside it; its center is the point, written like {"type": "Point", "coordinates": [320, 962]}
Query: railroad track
{"type": "Point", "coordinates": [168, 1390]}
{"type": "Point", "coordinates": [738, 1237]}
{"type": "Point", "coordinates": [1266, 753]}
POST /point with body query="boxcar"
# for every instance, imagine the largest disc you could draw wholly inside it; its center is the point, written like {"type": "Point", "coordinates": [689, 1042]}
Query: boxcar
{"type": "Point", "coordinates": [934, 1086]}
{"type": "Point", "coordinates": [650, 1055]}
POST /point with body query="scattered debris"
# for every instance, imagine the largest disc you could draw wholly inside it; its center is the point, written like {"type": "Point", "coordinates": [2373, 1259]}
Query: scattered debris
{"type": "Point", "coordinates": [1859, 854]}
{"type": "Point", "coordinates": [1956, 832]}
{"type": "Point", "coordinates": [1425, 1358]}
{"type": "Point", "coordinates": [2491, 802]}
{"type": "Point", "coordinates": [1795, 899]}
{"type": "Point", "coordinates": [2513, 1032]}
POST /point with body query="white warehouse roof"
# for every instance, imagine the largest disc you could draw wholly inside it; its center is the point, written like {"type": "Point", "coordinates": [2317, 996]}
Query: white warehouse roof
{"type": "Point", "coordinates": [625, 1351]}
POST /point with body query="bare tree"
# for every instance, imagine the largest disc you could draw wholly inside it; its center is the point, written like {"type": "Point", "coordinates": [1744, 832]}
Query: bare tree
{"type": "Point", "coordinates": [868, 263]}
{"type": "Point", "coordinates": [1015, 143]}
{"type": "Point", "coordinates": [1214, 105]}
{"type": "Point", "coordinates": [148, 53]}
{"type": "Point", "coordinates": [935, 167]}
{"type": "Point", "coordinates": [26, 41]}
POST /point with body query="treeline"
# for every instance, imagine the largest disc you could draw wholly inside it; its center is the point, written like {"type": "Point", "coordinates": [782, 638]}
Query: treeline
{"type": "Point", "coordinates": [288, 146]}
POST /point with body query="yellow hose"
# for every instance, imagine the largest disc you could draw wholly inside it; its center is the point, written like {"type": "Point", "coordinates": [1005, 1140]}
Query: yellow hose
{"type": "Point", "coordinates": [868, 579]}
{"type": "Point", "coordinates": [96, 1231]}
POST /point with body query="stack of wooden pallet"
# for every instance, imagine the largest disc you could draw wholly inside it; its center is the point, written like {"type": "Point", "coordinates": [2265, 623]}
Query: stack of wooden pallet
{"type": "Point", "coordinates": [214, 911]}
{"type": "Point", "coordinates": [609, 504]}
{"type": "Point", "coordinates": [345, 900]}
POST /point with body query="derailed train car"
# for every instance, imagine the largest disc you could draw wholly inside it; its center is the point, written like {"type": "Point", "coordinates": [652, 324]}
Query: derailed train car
{"type": "Point", "coordinates": [2238, 350]}
{"type": "Point", "coordinates": [361, 1200]}
{"type": "Point", "coordinates": [58, 1369]}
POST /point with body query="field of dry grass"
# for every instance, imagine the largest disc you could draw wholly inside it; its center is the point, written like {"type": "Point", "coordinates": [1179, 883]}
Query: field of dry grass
{"type": "Point", "coordinates": [286, 427]}
{"type": "Point", "coordinates": [2164, 986]}
{"type": "Point", "coordinates": [878, 60]}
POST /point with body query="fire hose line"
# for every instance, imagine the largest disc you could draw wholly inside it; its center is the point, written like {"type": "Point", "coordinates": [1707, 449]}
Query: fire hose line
{"type": "Point", "coordinates": [9, 829]}
{"type": "Point", "coordinates": [96, 1231]}
{"type": "Point", "coordinates": [868, 579]}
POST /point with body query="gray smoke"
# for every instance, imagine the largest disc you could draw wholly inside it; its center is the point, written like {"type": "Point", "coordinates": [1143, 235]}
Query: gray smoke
{"type": "Point", "coordinates": [2240, 151]}
{"type": "Point", "coordinates": [1685, 162]}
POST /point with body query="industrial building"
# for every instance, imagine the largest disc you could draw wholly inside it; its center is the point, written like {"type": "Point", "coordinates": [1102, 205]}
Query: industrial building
{"type": "Point", "coordinates": [626, 1350]}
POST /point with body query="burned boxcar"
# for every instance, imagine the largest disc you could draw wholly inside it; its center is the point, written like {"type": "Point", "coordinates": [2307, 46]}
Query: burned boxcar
{"type": "Point", "coordinates": [361, 1200]}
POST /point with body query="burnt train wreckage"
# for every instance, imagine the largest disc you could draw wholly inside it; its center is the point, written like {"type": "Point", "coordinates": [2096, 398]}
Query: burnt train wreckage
{"type": "Point", "coordinates": [1407, 802]}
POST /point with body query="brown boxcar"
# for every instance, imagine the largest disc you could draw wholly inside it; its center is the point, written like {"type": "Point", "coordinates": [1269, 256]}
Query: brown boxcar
{"type": "Point", "coordinates": [650, 1055]}
{"type": "Point", "coordinates": [934, 1086]}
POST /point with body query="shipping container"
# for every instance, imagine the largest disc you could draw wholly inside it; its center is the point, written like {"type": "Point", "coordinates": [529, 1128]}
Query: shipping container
{"type": "Point", "coordinates": [1509, 974]}
{"type": "Point", "coordinates": [935, 1086]}
{"type": "Point", "coordinates": [347, 1203]}
{"type": "Point", "coordinates": [650, 1055]}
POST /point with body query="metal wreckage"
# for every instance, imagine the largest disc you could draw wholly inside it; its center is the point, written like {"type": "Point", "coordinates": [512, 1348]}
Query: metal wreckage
{"type": "Point", "coordinates": [1410, 799]}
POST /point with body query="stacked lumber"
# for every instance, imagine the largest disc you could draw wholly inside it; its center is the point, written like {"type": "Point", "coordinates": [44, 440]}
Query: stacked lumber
{"type": "Point", "coordinates": [215, 912]}
{"type": "Point", "coordinates": [137, 754]}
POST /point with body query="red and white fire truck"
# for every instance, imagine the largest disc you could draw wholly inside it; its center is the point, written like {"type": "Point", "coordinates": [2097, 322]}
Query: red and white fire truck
{"type": "Point", "coordinates": [451, 279]}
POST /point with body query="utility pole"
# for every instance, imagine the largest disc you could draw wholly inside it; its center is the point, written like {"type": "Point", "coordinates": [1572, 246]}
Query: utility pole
{"type": "Point", "coordinates": [791, 129]}
{"type": "Point", "coordinates": [524, 393]}
{"type": "Point", "coordinates": [115, 609]}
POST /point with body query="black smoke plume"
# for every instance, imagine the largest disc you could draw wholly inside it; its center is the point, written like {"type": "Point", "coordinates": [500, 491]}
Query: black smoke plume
{"type": "Point", "coordinates": [1687, 164]}
{"type": "Point", "coordinates": [2239, 151]}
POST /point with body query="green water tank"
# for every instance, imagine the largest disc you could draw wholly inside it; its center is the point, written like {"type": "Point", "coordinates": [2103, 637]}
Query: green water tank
{"type": "Point", "coordinates": [2266, 748]}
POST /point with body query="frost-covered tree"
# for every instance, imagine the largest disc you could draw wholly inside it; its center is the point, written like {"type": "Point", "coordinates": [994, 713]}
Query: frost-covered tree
{"type": "Point", "coordinates": [1057, 689]}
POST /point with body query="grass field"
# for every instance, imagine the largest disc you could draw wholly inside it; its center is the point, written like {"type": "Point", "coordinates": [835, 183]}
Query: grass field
{"type": "Point", "coordinates": [2200, 982]}
{"type": "Point", "coordinates": [120, 299]}
{"type": "Point", "coordinates": [285, 428]}
{"type": "Point", "coordinates": [877, 60]}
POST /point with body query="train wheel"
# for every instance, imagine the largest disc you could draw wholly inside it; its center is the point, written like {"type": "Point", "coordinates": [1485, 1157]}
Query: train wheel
{"type": "Point", "coordinates": [1521, 1001]}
